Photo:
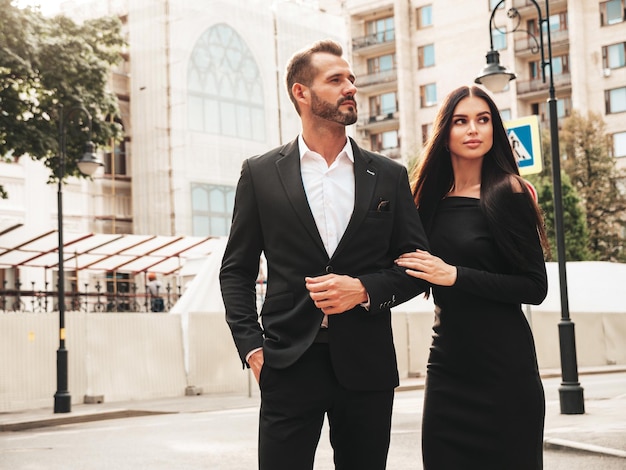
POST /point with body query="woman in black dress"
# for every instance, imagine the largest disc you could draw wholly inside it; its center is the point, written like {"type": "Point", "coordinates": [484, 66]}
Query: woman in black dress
{"type": "Point", "coordinates": [484, 402]}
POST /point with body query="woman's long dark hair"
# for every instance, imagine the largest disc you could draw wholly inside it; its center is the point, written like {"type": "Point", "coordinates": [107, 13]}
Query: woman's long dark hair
{"type": "Point", "coordinates": [433, 178]}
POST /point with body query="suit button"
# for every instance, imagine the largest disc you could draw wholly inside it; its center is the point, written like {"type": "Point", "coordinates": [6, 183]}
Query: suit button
{"type": "Point", "coordinates": [329, 269]}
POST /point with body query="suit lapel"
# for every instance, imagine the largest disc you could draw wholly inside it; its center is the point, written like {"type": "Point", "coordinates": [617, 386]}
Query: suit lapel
{"type": "Point", "coordinates": [288, 166]}
{"type": "Point", "coordinates": [365, 177]}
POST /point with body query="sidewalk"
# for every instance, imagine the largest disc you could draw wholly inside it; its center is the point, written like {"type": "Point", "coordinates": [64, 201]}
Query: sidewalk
{"type": "Point", "coordinates": [600, 430]}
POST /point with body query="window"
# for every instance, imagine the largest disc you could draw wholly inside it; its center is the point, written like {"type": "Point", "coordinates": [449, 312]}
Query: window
{"type": "Point", "coordinates": [505, 114]}
{"type": "Point", "coordinates": [426, 130]}
{"type": "Point", "coordinates": [382, 63]}
{"type": "Point", "coordinates": [619, 144]}
{"type": "Point", "coordinates": [615, 100]}
{"type": "Point", "coordinates": [382, 29]}
{"type": "Point", "coordinates": [225, 93]}
{"type": "Point", "coordinates": [499, 39]}
{"type": "Point", "coordinates": [563, 109]}
{"type": "Point", "coordinates": [426, 56]}
{"type": "Point", "coordinates": [428, 95]}
{"type": "Point", "coordinates": [613, 56]}
{"type": "Point", "coordinates": [384, 104]}
{"type": "Point", "coordinates": [385, 141]}
{"type": "Point", "coordinates": [557, 22]}
{"type": "Point", "coordinates": [560, 66]}
{"type": "Point", "coordinates": [212, 209]}
{"type": "Point", "coordinates": [424, 16]}
{"type": "Point", "coordinates": [611, 12]}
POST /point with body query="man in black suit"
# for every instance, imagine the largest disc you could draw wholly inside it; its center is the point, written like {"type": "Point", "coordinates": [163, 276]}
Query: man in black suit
{"type": "Point", "coordinates": [331, 219]}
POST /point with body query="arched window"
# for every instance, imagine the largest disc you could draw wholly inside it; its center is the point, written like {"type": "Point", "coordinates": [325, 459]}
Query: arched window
{"type": "Point", "coordinates": [225, 95]}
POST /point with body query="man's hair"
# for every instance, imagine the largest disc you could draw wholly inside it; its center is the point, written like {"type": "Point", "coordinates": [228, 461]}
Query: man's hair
{"type": "Point", "coordinates": [300, 69]}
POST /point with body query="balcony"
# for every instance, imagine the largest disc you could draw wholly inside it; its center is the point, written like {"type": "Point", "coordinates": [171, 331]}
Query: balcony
{"type": "Point", "coordinates": [526, 7]}
{"type": "Point", "coordinates": [536, 87]}
{"type": "Point", "coordinates": [371, 80]}
{"type": "Point", "coordinates": [375, 43]}
{"type": "Point", "coordinates": [559, 39]}
{"type": "Point", "coordinates": [379, 122]}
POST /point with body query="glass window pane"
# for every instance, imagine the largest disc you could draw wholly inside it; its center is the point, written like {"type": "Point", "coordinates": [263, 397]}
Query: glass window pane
{"type": "Point", "coordinates": [219, 227]}
{"type": "Point", "coordinates": [390, 140]}
{"type": "Point", "coordinates": [616, 55]}
{"type": "Point", "coordinates": [199, 199]}
{"type": "Point", "coordinates": [200, 226]}
{"type": "Point", "coordinates": [617, 100]}
{"type": "Point", "coordinates": [388, 103]}
{"type": "Point", "coordinates": [614, 11]}
{"type": "Point", "coordinates": [619, 144]}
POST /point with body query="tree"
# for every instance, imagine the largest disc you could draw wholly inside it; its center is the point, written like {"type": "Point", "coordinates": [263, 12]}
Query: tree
{"type": "Point", "coordinates": [576, 234]}
{"type": "Point", "coordinates": [575, 230]}
{"type": "Point", "coordinates": [48, 65]}
{"type": "Point", "coordinates": [595, 176]}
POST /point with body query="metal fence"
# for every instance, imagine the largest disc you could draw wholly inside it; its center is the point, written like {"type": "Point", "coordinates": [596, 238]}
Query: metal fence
{"type": "Point", "coordinates": [127, 297]}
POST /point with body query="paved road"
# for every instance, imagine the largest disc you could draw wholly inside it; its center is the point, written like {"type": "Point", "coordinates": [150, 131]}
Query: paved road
{"type": "Point", "coordinates": [222, 436]}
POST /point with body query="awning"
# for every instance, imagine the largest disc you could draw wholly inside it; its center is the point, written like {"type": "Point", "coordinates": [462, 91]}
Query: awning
{"type": "Point", "coordinates": [101, 252]}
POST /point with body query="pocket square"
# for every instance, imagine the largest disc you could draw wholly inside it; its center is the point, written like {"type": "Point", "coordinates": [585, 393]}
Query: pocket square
{"type": "Point", "coordinates": [383, 205]}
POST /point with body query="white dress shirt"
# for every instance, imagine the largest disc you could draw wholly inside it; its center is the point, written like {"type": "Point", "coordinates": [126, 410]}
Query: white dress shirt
{"type": "Point", "coordinates": [329, 191]}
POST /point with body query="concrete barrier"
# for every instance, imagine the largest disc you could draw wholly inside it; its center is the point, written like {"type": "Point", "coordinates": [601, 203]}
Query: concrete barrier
{"type": "Point", "coordinates": [134, 356]}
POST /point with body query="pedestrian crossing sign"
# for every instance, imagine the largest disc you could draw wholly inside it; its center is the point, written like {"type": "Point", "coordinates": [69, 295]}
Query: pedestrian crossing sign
{"type": "Point", "coordinates": [526, 143]}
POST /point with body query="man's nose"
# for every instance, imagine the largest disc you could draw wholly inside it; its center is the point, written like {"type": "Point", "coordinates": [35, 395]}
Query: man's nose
{"type": "Point", "coordinates": [350, 89]}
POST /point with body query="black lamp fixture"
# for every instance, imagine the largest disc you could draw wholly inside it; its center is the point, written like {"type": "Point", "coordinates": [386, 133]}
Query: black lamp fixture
{"type": "Point", "coordinates": [495, 78]}
{"type": "Point", "coordinates": [88, 164]}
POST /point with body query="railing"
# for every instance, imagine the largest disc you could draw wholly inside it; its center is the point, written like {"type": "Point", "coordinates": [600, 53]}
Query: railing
{"type": "Point", "coordinates": [378, 77]}
{"type": "Point", "coordinates": [88, 300]}
{"type": "Point", "coordinates": [374, 39]}
{"type": "Point", "coordinates": [529, 86]}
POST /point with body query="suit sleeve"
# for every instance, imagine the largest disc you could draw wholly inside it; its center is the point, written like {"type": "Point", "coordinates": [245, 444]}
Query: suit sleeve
{"type": "Point", "coordinates": [240, 268]}
{"type": "Point", "coordinates": [392, 286]}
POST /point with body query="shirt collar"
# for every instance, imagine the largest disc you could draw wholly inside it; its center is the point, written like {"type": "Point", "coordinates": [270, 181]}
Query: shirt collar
{"type": "Point", "coordinates": [347, 149]}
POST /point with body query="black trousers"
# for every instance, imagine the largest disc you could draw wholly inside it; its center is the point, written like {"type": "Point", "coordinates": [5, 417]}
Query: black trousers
{"type": "Point", "coordinates": [294, 402]}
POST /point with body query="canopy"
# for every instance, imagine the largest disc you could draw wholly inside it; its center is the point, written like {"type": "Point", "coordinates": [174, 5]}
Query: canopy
{"type": "Point", "coordinates": [101, 252]}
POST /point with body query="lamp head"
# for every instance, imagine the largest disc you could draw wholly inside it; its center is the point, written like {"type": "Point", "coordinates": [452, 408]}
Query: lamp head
{"type": "Point", "coordinates": [494, 76]}
{"type": "Point", "coordinates": [90, 162]}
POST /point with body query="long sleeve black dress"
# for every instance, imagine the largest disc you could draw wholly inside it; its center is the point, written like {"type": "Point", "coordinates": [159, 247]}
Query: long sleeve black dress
{"type": "Point", "coordinates": [484, 402]}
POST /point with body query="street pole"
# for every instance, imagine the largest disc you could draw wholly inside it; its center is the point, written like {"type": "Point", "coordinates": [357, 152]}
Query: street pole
{"type": "Point", "coordinates": [88, 164]}
{"type": "Point", "coordinates": [492, 76]}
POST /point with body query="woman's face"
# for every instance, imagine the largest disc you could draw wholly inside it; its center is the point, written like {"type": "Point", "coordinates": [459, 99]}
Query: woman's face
{"type": "Point", "coordinates": [471, 129]}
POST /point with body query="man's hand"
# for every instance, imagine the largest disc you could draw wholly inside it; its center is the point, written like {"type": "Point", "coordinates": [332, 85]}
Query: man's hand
{"type": "Point", "coordinates": [333, 293]}
{"type": "Point", "coordinates": [255, 361]}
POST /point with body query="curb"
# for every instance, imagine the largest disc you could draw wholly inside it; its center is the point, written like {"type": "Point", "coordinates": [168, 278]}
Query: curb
{"type": "Point", "coordinates": [564, 444]}
{"type": "Point", "coordinates": [75, 419]}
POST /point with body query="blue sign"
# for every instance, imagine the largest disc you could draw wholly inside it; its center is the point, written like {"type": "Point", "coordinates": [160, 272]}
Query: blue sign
{"type": "Point", "coordinates": [526, 143]}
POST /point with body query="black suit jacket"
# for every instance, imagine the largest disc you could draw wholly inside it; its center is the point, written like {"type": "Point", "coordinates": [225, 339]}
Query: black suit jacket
{"type": "Point", "coordinates": [272, 215]}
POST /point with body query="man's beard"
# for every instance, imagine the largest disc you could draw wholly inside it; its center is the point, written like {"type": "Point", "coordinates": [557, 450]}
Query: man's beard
{"type": "Point", "coordinates": [331, 112]}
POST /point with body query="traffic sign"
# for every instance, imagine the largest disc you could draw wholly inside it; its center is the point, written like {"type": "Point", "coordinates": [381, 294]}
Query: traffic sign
{"type": "Point", "coordinates": [526, 142]}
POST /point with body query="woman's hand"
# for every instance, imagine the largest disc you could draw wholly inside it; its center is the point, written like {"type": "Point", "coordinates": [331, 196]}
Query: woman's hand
{"type": "Point", "coordinates": [423, 265]}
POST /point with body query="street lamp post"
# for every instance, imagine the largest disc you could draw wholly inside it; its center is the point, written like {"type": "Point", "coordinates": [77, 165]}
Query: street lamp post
{"type": "Point", "coordinates": [495, 77]}
{"type": "Point", "coordinates": [88, 164]}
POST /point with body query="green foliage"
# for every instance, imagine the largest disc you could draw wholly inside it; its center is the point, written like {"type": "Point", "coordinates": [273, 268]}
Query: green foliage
{"type": "Point", "coordinates": [575, 231]}
{"type": "Point", "coordinates": [53, 64]}
{"type": "Point", "coordinates": [595, 176]}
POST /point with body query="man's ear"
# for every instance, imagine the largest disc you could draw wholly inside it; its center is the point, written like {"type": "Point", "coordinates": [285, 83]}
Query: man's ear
{"type": "Point", "coordinates": [300, 92]}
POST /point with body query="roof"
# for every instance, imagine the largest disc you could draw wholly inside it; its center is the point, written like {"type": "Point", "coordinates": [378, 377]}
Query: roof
{"type": "Point", "coordinates": [101, 252]}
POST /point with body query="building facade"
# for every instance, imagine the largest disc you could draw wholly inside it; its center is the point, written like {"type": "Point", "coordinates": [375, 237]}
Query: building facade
{"type": "Point", "coordinates": [409, 54]}
{"type": "Point", "coordinates": [201, 88]}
